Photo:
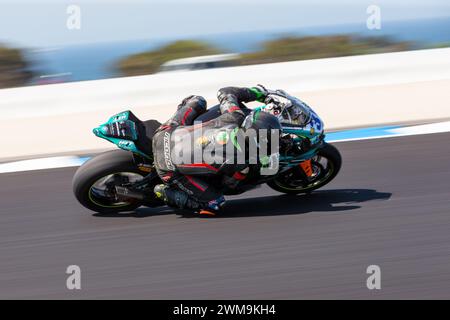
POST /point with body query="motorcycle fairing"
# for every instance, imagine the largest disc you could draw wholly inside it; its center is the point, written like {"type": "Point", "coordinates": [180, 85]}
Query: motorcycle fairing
{"type": "Point", "coordinates": [312, 131]}
{"type": "Point", "coordinates": [127, 132]}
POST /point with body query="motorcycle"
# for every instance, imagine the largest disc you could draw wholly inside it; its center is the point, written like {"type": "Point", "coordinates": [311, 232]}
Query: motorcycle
{"type": "Point", "coordinates": [123, 180]}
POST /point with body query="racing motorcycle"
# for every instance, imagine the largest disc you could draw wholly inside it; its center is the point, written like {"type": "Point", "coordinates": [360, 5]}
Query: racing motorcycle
{"type": "Point", "coordinates": [123, 180]}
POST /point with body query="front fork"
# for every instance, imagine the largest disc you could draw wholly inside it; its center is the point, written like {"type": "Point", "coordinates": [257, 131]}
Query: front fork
{"type": "Point", "coordinates": [302, 165]}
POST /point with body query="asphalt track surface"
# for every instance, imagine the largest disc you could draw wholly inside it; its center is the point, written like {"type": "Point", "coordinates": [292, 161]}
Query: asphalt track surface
{"type": "Point", "coordinates": [390, 206]}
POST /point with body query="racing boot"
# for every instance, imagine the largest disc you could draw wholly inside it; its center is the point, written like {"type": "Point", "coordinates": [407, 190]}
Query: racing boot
{"type": "Point", "coordinates": [175, 198]}
{"type": "Point", "coordinates": [212, 207]}
{"type": "Point", "coordinates": [180, 199]}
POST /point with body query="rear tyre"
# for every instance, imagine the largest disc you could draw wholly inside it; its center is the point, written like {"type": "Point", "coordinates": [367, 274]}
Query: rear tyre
{"type": "Point", "coordinates": [93, 183]}
{"type": "Point", "coordinates": [325, 172]}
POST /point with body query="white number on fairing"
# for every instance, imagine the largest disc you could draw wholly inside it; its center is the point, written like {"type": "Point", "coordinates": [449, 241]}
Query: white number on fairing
{"type": "Point", "coordinates": [316, 123]}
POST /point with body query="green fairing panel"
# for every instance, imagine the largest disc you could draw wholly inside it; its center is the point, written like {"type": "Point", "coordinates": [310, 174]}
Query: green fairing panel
{"type": "Point", "coordinates": [308, 132]}
{"type": "Point", "coordinates": [128, 145]}
{"type": "Point", "coordinates": [308, 155]}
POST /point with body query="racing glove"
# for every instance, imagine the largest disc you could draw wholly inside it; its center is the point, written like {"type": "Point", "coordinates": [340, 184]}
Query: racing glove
{"type": "Point", "coordinates": [261, 92]}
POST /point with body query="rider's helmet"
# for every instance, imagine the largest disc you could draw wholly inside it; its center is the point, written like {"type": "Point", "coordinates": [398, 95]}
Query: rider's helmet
{"type": "Point", "coordinates": [266, 127]}
{"type": "Point", "coordinates": [261, 120]}
{"type": "Point", "coordinates": [287, 109]}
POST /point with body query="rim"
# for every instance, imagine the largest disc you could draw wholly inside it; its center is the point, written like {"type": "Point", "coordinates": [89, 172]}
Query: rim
{"type": "Point", "coordinates": [102, 192]}
{"type": "Point", "coordinates": [322, 170]}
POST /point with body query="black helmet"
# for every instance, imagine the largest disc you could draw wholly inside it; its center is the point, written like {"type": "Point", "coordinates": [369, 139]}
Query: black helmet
{"type": "Point", "coordinates": [263, 122]}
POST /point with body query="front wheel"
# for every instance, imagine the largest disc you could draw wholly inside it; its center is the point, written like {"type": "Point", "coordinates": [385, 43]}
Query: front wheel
{"type": "Point", "coordinates": [325, 166]}
{"type": "Point", "coordinates": [95, 181]}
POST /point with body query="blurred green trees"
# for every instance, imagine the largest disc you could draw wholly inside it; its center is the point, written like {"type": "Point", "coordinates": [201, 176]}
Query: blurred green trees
{"type": "Point", "coordinates": [279, 50]}
{"type": "Point", "coordinates": [303, 48]}
{"type": "Point", "coordinates": [149, 62]}
{"type": "Point", "coordinates": [13, 68]}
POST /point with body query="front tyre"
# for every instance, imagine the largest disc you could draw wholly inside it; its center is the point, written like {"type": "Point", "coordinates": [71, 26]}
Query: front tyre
{"type": "Point", "coordinates": [326, 165]}
{"type": "Point", "coordinates": [94, 182]}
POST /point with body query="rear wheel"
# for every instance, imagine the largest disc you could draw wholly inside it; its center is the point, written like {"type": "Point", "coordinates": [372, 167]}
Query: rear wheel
{"type": "Point", "coordinates": [325, 166]}
{"type": "Point", "coordinates": [95, 181]}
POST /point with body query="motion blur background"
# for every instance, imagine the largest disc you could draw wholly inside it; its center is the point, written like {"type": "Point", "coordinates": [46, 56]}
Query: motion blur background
{"type": "Point", "coordinates": [77, 62]}
{"type": "Point", "coordinates": [121, 38]}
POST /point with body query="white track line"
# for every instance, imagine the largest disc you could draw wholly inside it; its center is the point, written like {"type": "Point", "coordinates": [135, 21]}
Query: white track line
{"type": "Point", "coordinates": [431, 128]}
{"type": "Point", "coordinates": [41, 164]}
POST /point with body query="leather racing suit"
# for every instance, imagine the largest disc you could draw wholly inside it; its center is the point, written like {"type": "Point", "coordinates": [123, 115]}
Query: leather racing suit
{"type": "Point", "coordinates": [186, 184]}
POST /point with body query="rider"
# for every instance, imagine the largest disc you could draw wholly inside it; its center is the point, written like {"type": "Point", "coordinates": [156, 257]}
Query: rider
{"type": "Point", "coordinates": [183, 185]}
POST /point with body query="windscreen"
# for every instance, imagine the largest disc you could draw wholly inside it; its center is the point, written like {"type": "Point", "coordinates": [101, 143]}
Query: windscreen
{"type": "Point", "coordinates": [294, 110]}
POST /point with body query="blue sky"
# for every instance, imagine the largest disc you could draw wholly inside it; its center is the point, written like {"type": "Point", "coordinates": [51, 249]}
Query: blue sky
{"type": "Point", "coordinates": [43, 23]}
